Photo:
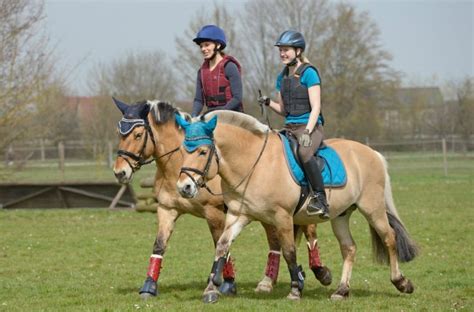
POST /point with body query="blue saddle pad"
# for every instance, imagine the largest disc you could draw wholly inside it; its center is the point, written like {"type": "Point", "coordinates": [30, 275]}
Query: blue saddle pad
{"type": "Point", "coordinates": [333, 171]}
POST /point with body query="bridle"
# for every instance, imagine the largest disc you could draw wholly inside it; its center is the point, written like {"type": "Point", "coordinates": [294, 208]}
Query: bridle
{"type": "Point", "coordinates": [139, 159]}
{"type": "Point", "coordinates": [202, 173]}
{"type": "Point", "coordinates": [200, 183]}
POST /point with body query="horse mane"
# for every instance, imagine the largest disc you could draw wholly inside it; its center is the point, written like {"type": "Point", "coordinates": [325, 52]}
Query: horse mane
{"type": "Point", "coordinates": [238, 119]}
{"type": "Point", "coordinates": [163, 112]}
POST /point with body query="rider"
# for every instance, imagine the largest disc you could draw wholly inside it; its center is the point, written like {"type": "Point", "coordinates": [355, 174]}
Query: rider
{"type": "Point", "coordinates": [219, 81]}
{"type": "Point", "coordinates": [299, 100]}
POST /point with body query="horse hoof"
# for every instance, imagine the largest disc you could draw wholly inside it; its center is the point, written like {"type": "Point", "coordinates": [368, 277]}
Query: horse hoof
{"type": "Point", "coordinates": [149, 289]}
{"type": "Point", "coordinates": [265, 286]}
{"type": "Point", "coordinates": [404, 285]}
{"type": "Point", "coordinates": [210, 297]}
{"type": "Point", "coordinates": [228, 288]}
{"type": "Point", "coordinates": [294, 294]}
{"type": "Point", "coordinates": [323, 275]}
{"type": "Point", "coordinates": [341, 293]}
{"type": "Point", "coordinates": [146, 296]}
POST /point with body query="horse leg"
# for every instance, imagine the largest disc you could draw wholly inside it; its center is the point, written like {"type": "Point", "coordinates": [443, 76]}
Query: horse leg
{"type": "Point", "coordinates": [216, 221]}
{"type": "Point", "coordinates": [340, 227]}
{"type": "Point", "coordinates": [321, 272]}
{"type": "Point", "coordinates": [378, 220]}
{"type": "Point", "coordinates": [233, 226]}
{"type": "Point", "coordinates": [273, 262]}
{"type": "Point", "coordinates": [166, 222]}
{"type": "Point", "coordinates": [287, 241]}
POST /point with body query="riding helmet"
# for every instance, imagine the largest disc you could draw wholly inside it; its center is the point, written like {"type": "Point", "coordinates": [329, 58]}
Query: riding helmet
{"type": "Point", "coordinates": [291, 38]}
{"type": "Point", "coordinates": [211, 33]}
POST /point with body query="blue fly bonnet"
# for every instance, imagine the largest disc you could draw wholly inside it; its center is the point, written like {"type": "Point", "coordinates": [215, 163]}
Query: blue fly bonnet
{"type": "Point", "coordinates": [197, 133]}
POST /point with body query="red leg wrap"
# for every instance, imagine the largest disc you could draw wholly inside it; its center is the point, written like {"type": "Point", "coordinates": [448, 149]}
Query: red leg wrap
{"type": "Point", "coordinates": [228, 271]}
{"type": "Point", "coordinates": [154, 267]}
{"type": "Point", "coordinates": [273, 265]}
{"type": "Point", "coordinates": [313, 254]}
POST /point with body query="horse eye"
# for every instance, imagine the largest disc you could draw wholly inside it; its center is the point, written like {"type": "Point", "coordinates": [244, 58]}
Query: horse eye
{"type": "Point", "coordinates": [203, 153]}
{"type": "Point", "coordinates": [138, 136]}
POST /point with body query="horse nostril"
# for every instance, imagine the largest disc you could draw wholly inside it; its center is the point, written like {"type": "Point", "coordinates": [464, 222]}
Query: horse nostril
{"type": "Point", "coordinates": [187, 188]}
{"type": "Point", "coordinates": [119, 175]}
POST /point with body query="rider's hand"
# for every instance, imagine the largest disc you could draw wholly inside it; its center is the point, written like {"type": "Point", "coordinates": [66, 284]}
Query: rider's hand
{"type": "Point", "coordinates": [264, 100]}
{"type": "Point", "coordinates": [305, 139]}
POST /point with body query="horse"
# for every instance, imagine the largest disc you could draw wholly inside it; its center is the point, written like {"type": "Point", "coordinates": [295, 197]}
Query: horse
{"type": "Point", "coordinates": [148, 132]}
{"type": "Point", "coordinates": [258, 185]}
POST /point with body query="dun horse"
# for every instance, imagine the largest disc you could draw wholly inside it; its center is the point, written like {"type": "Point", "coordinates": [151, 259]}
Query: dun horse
{"type": "Point", "coordinates": [258, 186]}
{"type": "Point", "coordinates": [149, 132]}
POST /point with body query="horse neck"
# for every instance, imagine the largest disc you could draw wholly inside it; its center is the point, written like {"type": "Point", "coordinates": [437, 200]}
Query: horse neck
{"type": "Point", "coordinates": [238, 149]}
{"type": "Point", "coordinates": [167, 138]}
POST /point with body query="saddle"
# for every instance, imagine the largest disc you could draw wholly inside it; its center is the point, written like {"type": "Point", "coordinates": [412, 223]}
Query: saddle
{"type": "Point", "coordinates": [329, 162]}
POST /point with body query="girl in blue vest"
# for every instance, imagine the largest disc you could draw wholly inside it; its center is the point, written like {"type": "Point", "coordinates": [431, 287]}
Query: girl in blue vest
{"type": "Point", "coordinates": [299, 100]}
{"type": "Point", "coordinates": [219, 81]}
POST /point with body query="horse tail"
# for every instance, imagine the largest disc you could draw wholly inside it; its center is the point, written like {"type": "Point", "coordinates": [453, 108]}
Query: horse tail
{"type": "Point", "coordinates": [407, 249]}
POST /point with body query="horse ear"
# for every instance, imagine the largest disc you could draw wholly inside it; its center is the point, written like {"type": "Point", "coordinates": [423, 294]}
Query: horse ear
{"type": "Point", "coordinates": [121, 106]}
{"type": "Point", "coordinates": [211, 124]}
{"type": "Point", "coordinates": [181, 121]}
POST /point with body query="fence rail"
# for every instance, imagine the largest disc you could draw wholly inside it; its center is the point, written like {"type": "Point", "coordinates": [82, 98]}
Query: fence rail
{"type": "Point", "coordinates": [77, 153]}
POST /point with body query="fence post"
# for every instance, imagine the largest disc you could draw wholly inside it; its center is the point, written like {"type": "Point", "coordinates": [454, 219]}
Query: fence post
{"type": "Point", "coordinates": [110, 157]}
{"type": "Point", "coordinates": [42, 150]}
{"type": "Point", "coordinates": [445, 158]}
{"type": "Point", "coordinates": [61, 156]}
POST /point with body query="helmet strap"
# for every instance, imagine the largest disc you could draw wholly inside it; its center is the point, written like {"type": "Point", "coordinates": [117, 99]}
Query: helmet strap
{"type": "Point", "coordinates": [293, 62]}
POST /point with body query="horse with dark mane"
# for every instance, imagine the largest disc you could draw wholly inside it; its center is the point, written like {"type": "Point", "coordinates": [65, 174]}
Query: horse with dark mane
{"type": "Point", "coordinates": [149, 132]}
{"type": "Point", "coordinates": [258, 185]}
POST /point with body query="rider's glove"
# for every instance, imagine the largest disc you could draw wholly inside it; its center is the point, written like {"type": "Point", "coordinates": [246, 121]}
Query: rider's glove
{"type": "Point", "coordinates": [305, 139]}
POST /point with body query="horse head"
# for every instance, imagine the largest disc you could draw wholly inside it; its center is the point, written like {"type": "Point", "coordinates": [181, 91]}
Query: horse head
{"type": "Point", "coordinates": [201, 162]}
{"type": "Point", "coordinates": [137, 142]}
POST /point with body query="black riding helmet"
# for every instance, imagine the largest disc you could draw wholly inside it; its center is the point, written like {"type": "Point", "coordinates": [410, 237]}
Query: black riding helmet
{"type": "Point", "coordinates": [291, 38]}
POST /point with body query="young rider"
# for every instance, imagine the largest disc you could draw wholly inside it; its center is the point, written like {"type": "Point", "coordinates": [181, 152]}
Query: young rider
{"type": "Point", "coordinates": [219, 81]}
{"type": "Point", "coordinates": [299, 100]}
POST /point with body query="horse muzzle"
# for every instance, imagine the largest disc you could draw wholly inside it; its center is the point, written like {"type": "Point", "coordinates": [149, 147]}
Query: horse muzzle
{"type": "Point", "coordinates": [187, 188]}
{"type": "Point", "coordinates": [123, 176]}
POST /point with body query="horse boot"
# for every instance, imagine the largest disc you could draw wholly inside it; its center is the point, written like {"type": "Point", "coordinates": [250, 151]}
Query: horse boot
{"type": "Point", "coordinates": [317, 203]}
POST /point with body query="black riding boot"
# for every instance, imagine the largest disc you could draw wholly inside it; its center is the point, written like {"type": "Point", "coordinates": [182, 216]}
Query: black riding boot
{"type": "Point", "coordinates": [317, 204]}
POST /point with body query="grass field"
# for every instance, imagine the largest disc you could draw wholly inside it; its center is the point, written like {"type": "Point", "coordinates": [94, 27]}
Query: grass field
{"type": "Point", "coordinates": [96, 260]}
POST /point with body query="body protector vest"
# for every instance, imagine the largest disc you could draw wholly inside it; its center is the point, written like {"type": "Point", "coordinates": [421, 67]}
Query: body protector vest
{"type": "Point", "coordinates": [215, 85]}
{"type": "Point", "coordinates": [295, 95]}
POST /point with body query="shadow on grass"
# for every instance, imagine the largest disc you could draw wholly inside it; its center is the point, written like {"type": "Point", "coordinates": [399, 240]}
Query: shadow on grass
{"type": "Point", "coordinates": [192, 290]}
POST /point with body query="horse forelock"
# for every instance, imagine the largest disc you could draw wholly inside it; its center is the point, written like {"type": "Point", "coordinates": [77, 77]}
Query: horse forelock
{"type": "Point", "coordinates": [241, 120]}
{"type": "Point", "coordinates": [164, 111]}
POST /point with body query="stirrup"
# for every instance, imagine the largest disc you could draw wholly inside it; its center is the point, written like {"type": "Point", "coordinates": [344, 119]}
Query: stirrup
{"type": "Point", "coordinates": [318, 206]}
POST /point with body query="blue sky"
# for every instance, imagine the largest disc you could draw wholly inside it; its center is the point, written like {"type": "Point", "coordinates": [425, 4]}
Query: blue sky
{"type": "Point", "coordinates": [427, 39]}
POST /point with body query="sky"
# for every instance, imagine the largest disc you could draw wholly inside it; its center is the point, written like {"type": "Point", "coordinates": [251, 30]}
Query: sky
{"type": "Point", "coordinates": [430, 40]}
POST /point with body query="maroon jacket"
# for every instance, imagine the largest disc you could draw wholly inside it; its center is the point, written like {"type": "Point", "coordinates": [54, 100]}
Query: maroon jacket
{"type": "Point", "coordinates": [215, 86]}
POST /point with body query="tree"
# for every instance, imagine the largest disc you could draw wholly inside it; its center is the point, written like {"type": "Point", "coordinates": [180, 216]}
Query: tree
{"type": "Point", "coordinates": [464, 91]}
{"type": "Point", "coordinates": [26, 65]}
{"type": "Point", "coordinates": [135, 76]}
{"type": "Point", "coordinates": [356, 74]}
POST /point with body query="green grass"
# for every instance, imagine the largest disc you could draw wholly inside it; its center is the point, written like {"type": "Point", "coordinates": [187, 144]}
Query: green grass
{"type": "Point", "coordinates": [96, 260]}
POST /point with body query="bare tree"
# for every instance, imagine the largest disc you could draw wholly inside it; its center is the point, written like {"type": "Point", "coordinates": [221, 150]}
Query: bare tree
{"type": "Point", "coordinates": [136, 76]}
{"type": "Point", "coordinates": [356, 75]}
{"type": "Point", "coordinates": [26, 65]}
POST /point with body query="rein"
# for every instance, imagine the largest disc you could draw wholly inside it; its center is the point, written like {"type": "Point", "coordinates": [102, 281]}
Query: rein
{"type": "Point", "coordinates": [201, 183]}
